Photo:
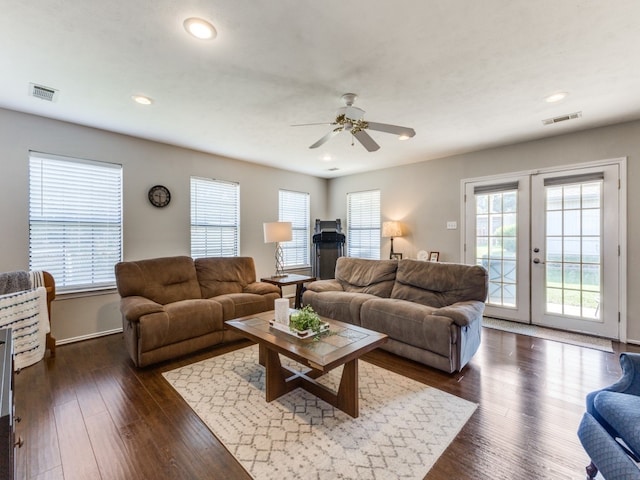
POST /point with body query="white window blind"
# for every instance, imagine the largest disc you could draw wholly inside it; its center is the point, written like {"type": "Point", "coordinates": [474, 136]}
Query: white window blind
{"type": "Point", "coordinates": [363, 224]}
{"type": "Point", "coordinates": [215, 218]}
{"type": "Point", "coordinates": [294, 208]}
{"type": "Point", "coordinates": [75, 220]}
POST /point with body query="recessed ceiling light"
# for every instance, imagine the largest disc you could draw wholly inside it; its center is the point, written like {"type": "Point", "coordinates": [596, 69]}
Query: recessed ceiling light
{"type": "Point", "coordinates": [556, 97]}
{"type": "Point", "coordinates": [141, 99]}
{"type": "Point", "coordinates": [200, 28]}
{"type": "Point", "coordinates": [326, 157]}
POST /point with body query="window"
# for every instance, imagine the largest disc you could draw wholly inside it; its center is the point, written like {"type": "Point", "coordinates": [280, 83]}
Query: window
{"type": "Point", "coordinates": [294, 208]}
{"type": "Point", "coordinates": [215, 218]}
{"type": "Point", "coordinates": [75, 220]}
{"type": "Point", "coordinates": [363, 224]}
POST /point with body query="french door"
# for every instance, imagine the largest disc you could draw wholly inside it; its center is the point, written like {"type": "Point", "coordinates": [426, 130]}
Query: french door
{"type": "Point", "coordinates": [550, 243]}
{"type": "Point", "coordinates": [575, 262]}
{"type": "Point", "coordinates": [497, 230]}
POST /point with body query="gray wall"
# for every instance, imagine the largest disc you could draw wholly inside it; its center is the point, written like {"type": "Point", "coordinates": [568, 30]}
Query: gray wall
{"type": "Point", "coordinates": [148, 231]}
{"type": "Point", "coordinates": [424, 196]}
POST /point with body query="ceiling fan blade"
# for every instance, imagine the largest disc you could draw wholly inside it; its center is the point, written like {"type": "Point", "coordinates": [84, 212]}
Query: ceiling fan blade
{"type": "Point", "coordinates": [327, 137]}
{"type": "Point", "coordinates": [367, 142]}
{"type": "Point", "coordinates": [307, 124]}
{"type": "Point", "coordinates": [395, 129]}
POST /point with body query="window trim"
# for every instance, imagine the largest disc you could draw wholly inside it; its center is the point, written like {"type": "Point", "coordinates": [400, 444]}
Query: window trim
{"type": "Point", "coordinates": [235, 215]}
{"type": "Point", "coordinates": [373, 246]}
{"type": "Point", "coordinates": [66, 217]}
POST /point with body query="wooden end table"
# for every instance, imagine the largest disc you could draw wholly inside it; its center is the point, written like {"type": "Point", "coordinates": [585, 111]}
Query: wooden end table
{"type": "Point", "coordinates": [342, 345]}
{"type": "Point", "coordinates": [291, 279]}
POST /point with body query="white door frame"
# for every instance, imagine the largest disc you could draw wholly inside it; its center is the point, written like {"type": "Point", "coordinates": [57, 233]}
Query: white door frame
{"type": "Point", "coordinates": [622, 224]}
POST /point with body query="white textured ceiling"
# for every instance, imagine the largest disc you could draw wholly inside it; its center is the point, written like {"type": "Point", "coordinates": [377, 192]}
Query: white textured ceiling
{"type": "Point", "coordinates": [466, 75]}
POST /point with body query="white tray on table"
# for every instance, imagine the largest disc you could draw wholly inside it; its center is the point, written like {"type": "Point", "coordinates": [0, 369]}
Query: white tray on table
{"type": "Point", "coordinates": [296, 333]}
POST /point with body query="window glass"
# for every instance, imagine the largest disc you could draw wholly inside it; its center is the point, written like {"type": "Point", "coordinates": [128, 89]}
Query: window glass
{"type": "Point", "coordinates": [215, 218]}
{"type": "Point", "coordinates": [294, 207]}
{"type": "Point", "coordinates": [363, 224]}
{"type": "Point", "coordinates": [75, 220]}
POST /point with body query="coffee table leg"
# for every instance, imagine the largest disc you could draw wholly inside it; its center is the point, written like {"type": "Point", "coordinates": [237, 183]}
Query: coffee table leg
{"type": "Point", "coordinates": [275, 382]}
{"type": "Point", "coordinates": [348, 395]}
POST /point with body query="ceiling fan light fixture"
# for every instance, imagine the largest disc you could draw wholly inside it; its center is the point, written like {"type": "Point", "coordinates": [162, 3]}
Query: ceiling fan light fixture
{"type": "Point", "coordinates": [403, 137]}
{"type": "Point", "coordinates": [199, 28]}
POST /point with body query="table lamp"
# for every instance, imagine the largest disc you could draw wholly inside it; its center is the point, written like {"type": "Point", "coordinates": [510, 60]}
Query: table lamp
{"type": "Point", "coordinates": [391, 229]}
{"type": "Point", "coordinates": [276, 232]}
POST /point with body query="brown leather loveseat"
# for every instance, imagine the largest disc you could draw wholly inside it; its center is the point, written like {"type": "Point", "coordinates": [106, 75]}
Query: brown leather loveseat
{"type": "Point", "coordinates": [172, 306]}
{"type": "Point", "coordinates": [431, 311]}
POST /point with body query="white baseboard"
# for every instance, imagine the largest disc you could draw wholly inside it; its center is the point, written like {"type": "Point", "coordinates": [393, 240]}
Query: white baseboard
{"type": "Point", "coordinates": [89, 336]}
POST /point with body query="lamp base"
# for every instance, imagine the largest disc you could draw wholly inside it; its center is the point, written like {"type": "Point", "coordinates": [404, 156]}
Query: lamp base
{"type": "Point", "coordinates": [279, 262]}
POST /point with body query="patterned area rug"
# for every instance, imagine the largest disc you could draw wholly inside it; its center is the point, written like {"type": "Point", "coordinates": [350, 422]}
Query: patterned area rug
{"type": "Point", "coordinates": [403, 427]}
{"type": "Point", "coordinates": [549, 334]}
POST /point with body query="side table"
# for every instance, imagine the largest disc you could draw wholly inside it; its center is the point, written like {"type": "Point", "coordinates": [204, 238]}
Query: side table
{"type": "Point", "coordinates": [291, 279]}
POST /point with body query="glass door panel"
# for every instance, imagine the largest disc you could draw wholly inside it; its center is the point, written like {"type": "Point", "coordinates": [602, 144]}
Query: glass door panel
{"type": "Point", "coordinates": [568, 275]}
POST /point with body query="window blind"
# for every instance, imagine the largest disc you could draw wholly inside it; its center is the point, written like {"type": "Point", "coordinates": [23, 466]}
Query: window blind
{"type": "Point", "coordinates": [294, 207]}
{"type": "Point", "coordinates": [75, 220]}
{"type": "Point", "coordinates": [363, 224]}
{"type": "Point", "coordinates": [215, 218]}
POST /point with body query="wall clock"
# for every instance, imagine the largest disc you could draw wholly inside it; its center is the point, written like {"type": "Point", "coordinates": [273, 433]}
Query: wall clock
{"type": "Point", "coordinates": [159, 196]}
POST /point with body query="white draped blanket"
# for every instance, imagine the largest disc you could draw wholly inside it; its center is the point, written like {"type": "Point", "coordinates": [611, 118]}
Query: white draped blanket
{"type": "Point", "coordinates": [26, 314]}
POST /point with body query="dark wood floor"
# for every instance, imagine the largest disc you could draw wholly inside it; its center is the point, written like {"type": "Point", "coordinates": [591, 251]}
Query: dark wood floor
{"type": "Point", "coordinates": [89, 414]}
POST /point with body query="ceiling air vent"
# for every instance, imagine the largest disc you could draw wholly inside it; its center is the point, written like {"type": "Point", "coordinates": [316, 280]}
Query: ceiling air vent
{"type": "Point", "coordinates": [562, 118]}
{"type": "Point", "coordinates": [43, 93]}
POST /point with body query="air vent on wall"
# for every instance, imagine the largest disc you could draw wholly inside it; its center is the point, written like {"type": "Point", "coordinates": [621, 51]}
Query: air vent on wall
{"type": "Point", "coordinates": [43, 93]}
{"type": "Point", "coordinates": [562, 118]}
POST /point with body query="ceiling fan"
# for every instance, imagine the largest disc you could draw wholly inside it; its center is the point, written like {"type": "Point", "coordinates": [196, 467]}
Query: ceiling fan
{"type": "Point", "coordinates": [350, 119]}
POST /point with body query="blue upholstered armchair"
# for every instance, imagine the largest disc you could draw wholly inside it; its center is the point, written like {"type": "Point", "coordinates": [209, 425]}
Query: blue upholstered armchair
{"type": "Point", "coordinates": [610, 429]}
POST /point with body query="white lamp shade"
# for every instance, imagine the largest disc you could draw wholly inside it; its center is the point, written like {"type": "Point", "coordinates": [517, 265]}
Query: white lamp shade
{"type": "Point", "coordinates": [391, 229]}
{"type": "Point", "coordinates": [277, 232]}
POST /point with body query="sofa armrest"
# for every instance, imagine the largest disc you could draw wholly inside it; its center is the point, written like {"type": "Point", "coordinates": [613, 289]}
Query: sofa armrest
{"type": "Point", "coordinates": [628, 383]}
{"type": "Point", "coordinates": [135, 307]}
{"type": "Point", "coordinates": [462, 313]}
{"type": "Point", "coordinates": [329, 285]}
{"type": "Point", "coordinates": [261, 288]}
{"type": "Point", "coordinates": [630, 380]}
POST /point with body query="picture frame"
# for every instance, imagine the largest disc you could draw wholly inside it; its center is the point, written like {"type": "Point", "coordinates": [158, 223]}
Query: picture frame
{"type": "Point", "coordinates": [434, 256]}
{"type": "Point", "coordinates": [396, 256]}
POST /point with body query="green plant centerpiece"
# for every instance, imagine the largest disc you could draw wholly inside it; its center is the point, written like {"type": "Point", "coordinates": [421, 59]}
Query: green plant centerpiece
{"type": "Point", "coordinates": [306, 319]}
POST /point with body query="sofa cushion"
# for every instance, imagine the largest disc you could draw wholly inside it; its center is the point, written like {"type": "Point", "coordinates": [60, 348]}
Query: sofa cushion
{"type": "Point", "coordinates": [162, 280]}
{"type": "Point", "coordinates": [366, 276]}
{"type": "Point", "coordinates": [622, 412]}
{"type": "Point", "coordinates": [221, 275]}
{"type": "Point", "coordinates": [439, 284]}
{"type": "Point", "coordinates": [180, 321]}
{"type": "Point", "coordinates": [236, 305]}
{"type": "Point", "coordinates": [338, 305]}
{"type": "Point", "coordinates": [410, 323]}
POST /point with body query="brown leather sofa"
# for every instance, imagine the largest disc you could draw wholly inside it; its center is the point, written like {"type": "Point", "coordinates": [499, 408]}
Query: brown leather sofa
{"type": "Point", "coordinates": [432, 312]}
{"type": "Point", "coordinates": [173, 306]}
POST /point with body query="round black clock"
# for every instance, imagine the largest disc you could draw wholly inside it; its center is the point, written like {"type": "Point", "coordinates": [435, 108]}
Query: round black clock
{"type": "Point", "coordinates": [159, 196]}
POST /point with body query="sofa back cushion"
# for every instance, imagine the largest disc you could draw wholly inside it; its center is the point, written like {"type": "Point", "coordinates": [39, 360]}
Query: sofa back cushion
{"type": "Point", "coordinates": [222, 275]}
{"type": "Point", "coordinates": [163, 280]}
{"type": "Point", "coordinates": [439, 284]}
{"type": "Point", "coordinates": [366, 276]}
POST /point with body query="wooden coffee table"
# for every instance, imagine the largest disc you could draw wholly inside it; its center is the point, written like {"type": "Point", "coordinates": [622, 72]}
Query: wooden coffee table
{"type": "Point", "coordinates": [343, 344]}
